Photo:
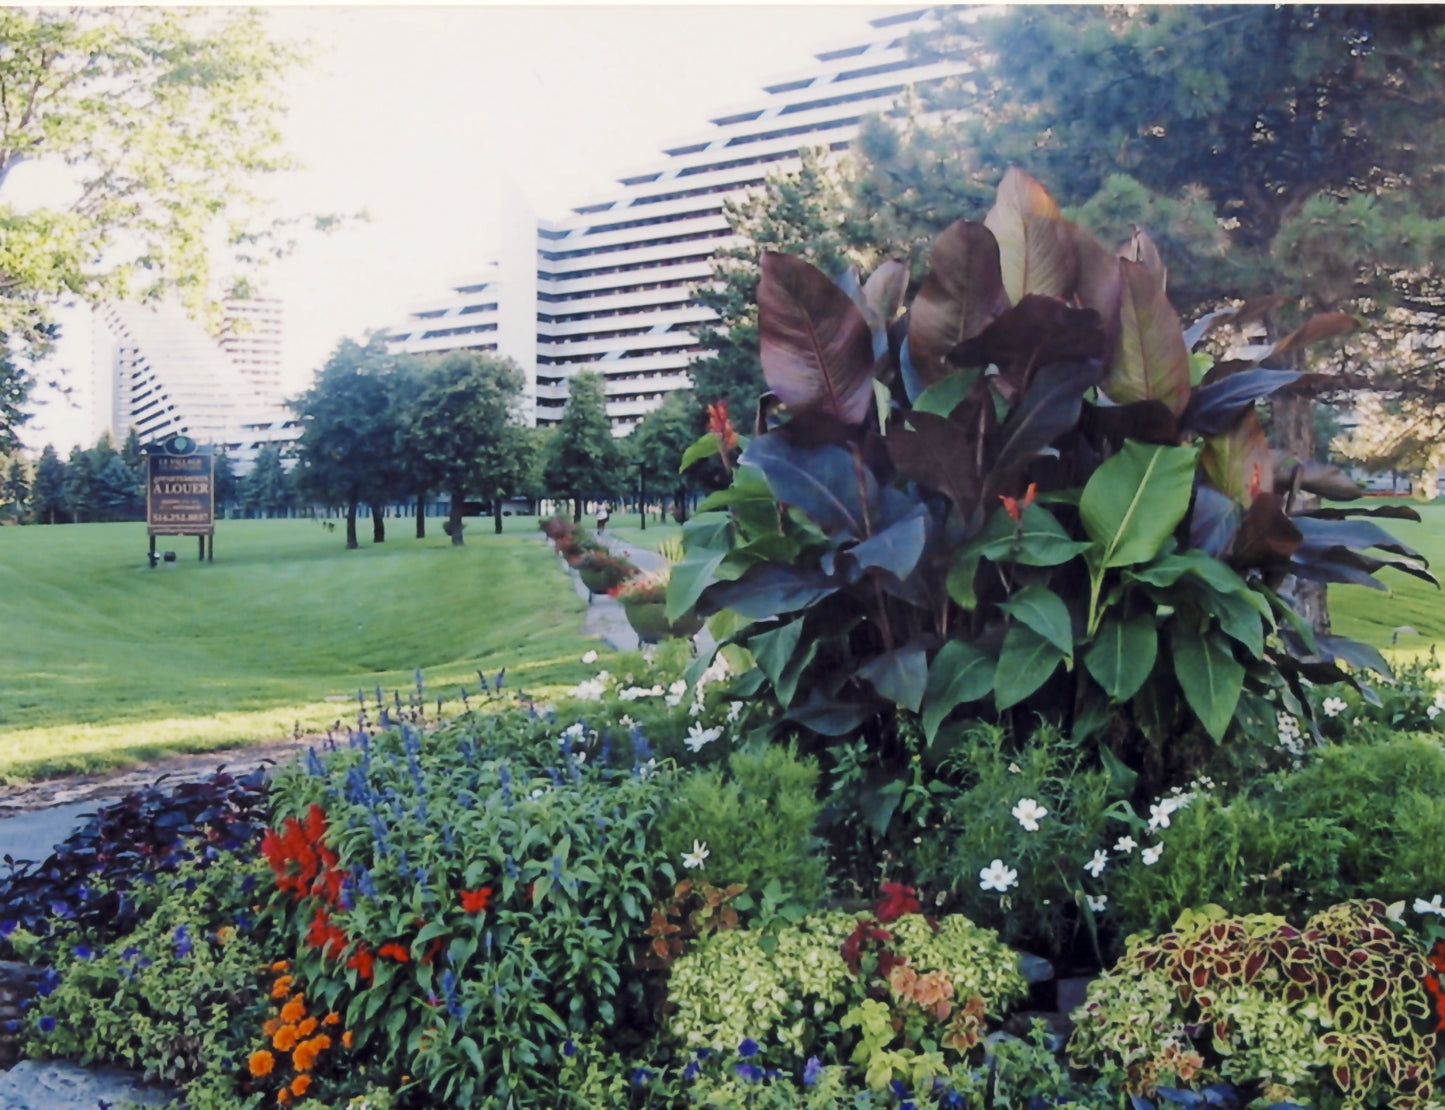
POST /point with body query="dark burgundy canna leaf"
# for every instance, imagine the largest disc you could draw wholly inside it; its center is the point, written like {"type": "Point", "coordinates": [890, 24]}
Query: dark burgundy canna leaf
{"type": "Point", "coordinates": [825, 482]}
{"type": "Point", "coordinates": [1035, 332]}
{"type": "Point", "coordinates": [1267, 538]}
{"type": "Point", "coordinates": [1150, 360]}
{"type": "Point", "coordinates": [815, 347]}
{"type": "Point", "coordinates": [1213, 408]}
{"type": "Point", "coordinates": [961, 296]}
{"type": "Point", "coordinates": [1215, 521]}
{"type": "Point", "coordinates": [1036, 248]}
{"type": "Point", "coordinates": [938, 454]}
{"type": "Point", "coordinates": [1146, 421]}
{"type": "Point", "coordinates": [1048, 410]}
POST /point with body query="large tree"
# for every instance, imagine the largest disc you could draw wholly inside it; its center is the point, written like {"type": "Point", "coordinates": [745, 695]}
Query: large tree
{"type": "Point", "coordinates": [461, 427]}
{"type": "Point", "coordinates": [582, 457]}
{"type": "Point", "coordinates": [47, 496]}
{"type": "Point", "coordinates": [656, 446]}
{"type": "Point", "coordinates": [349, 431]}
{"type": "Point", "coordinates": [266, 490]}
{"type": "Point", "coordinates": [166, 119]}
{"type": "Point", "coordinates": [17, 486]}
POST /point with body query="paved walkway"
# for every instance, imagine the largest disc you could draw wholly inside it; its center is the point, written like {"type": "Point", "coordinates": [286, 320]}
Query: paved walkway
{"type": "Point", "coordinates": [605, 617]}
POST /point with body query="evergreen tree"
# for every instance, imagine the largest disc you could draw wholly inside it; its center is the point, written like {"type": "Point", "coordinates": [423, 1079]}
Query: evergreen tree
{"type": "Point", "coordinates": [48, 504]}
{"type": "Point", "coordinates": [17, 486]}
{"type": "Point", "coordinates": [266, 490]}
{"type": "Point", "coordinates": [224, 483]}
{"type": "Point", "coordinates": [80, 491]}
{"type": "Point", "coordinates": [583, 459]}
{"type": "Point", "coordinates": [460, 429]}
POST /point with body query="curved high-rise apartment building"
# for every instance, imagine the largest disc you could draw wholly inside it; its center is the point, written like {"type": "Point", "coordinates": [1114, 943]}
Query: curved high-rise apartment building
{"type": "Point", "coordinates": [608, 288]}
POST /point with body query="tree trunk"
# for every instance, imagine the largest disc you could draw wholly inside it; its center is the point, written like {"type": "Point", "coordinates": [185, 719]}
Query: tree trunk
{"type": "Point", "coordinates": [351, 544]}
{"type": "Point", "coordinates": [454, 517]}
{"type": "Point", "coordinates": [421, 515]}
{"type": "Point", "coordinates": [679, 506]}
{"type": "Point", "coordinates": [378, 524]}
{"type": "Point", "coordinates": [576, 510]}
{"type": "Point", "coordinates": [497, 514]}
{"type": "Point", "coordinates": [1294, 429]}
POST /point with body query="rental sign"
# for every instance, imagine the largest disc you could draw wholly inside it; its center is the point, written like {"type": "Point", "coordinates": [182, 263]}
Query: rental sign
{"type": "Point", "coordinates": [180, 491]}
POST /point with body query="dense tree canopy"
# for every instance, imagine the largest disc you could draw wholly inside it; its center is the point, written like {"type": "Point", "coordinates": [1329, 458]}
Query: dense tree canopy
{"type": "Point", "coordinates": [166, 119]}
{"type": "Point", "coordinates": [350, 426]}
{"type": "Point", "coordinates": [582, 458]}
{"type": "Point", "coordinates": [460, 428]}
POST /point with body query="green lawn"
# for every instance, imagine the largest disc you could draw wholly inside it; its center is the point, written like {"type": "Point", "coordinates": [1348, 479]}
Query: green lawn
{"type": "Point", "coordinates": [106, 661]}
{"type": "Point", "coordinates": [1372, 616]}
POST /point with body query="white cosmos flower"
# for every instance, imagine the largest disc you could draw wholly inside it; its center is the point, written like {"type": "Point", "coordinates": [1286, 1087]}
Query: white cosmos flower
{"type": "Point", "coordinates": [646, 770]}
{"type": "Point", "coordinates": [1151, 855]}
{"type": "Point", "coordinates": [699, 737]}
{"type": "Point", "coordinates": [1097, 903]}
{"type": "Point", "coordinates": [997, 877]}
{"type": "Point", "coordinates": [1435, 905]}
{"type": "Point", "coordinates": [1028, 812]}
{"type": "Point", "coordinates": [1125, 844]}
{"type": "Point", "coordinates": [1159, 815]}
{"type": "Point", "coordinates": [1095, 866]}
{"type": "Point", "coordinates": [735, 710]}
{"type": "Point", "coordinates": [696, 857]}
{"type": "Point", "coordinates": [1333, 707]}
{"type": "Point", "coordinates": [1015, 769]}
{"type": "Point", "coordinates": [589, 657]}
{"type": "Point", "coordinates": [676, 692]}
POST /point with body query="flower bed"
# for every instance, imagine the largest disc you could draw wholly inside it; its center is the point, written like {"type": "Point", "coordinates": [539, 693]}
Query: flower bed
{"type": "Point", "coordinates": [625, 902]}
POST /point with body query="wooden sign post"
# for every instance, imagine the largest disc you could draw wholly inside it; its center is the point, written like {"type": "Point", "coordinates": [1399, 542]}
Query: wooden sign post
{"type": "Point", "coordinates": [180, 493]}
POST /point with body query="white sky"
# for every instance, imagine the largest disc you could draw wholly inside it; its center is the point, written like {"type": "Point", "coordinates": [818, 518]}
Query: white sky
{"type": "Point", "coordinates": [413, 114]}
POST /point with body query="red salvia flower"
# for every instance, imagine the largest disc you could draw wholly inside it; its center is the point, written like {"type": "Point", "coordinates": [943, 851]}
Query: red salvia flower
{"type": "Point", "coordinates": [363, 961]}
{"type": "Point", "coordinates": [394, 951]}
{"type": "Point", "coordinates": [475, 901]}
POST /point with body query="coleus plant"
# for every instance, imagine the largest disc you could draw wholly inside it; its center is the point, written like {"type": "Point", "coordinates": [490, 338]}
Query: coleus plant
{"type": "Point", "coordinates": [1022, 495]}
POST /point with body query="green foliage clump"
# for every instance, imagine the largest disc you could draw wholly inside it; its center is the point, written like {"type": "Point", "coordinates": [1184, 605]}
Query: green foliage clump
{"type": "Point", "coordinates": [730, 987]}
{"type": "Point", "coordinates": [1336, 1011]}
{"type": "Point", "coordinates": [963, 816]}
{"type": "Point", "coordinates": [758, 818]}
{"type": "Point", "coordinates": [1363, 820]}
{"type": "Point", "coordinates": [179, 998]}
{"type": "Point", "coordinates": [472, 899]}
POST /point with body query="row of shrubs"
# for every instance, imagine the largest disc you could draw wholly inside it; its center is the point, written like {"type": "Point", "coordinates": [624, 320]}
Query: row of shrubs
{"type": "Point", "coordinates": [635, 898]}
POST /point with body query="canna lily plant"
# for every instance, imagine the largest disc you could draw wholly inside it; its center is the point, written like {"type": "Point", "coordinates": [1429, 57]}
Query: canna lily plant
{"type": "Point", "coordinates": [1022, 495]}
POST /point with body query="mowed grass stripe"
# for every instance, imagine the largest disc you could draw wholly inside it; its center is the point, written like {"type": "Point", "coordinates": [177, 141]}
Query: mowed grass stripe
{"type": "Point", "coordinates": [102, 657]}
{"type": "Point", "coordinates": [1369, 615]}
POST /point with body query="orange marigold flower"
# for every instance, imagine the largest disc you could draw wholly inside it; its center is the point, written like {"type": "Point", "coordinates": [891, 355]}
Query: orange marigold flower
{"type": "Point", "coordinates": [346, 1038]}
{"type": "Point", "coordinates": [281, 965]}
{"type": "Point", "coordinates": [270, 1026]}
{"type": "Point", "coordinates": [307, 1027]}
{"type": "Point", "coordinates": [304, 1058]}
{"type": "Point", "coordinates": [299, 1085]}
{"type": "Point", "coordinates": [285, 1038]}
{"type": "Point", "coordinates": [260, 1062]}
{"type": "Point", "coordinates": [282, 987]}
{"type": "Point", "coordinates": [394, 951]}
{"type": "Point", "coordinates": [475, 901]}
{"type": "Point", "coordinates": [332, 1018]}
{"type": "Point", "coordinates": [283, 1096]}
{"type": "Point", "coordinates": [295, 1009]}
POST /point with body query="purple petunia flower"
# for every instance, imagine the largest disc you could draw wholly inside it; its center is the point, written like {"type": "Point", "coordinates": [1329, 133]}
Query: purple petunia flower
{"type": "Point", "coordinates": [689, 1073]}
{"type": "Point", "coordinates": [751, 1072]}
{"type": "Point", "coordinates": [8, 927]}
{"type": "Point", "coordinates": [82, 952]}
{"type": "Point", "coordinates": [640, 1077]}
{"type": "Point", "coordinates": [748, 1048]}
{"type": "Point", "coordinates": [812, 1071]}
{"type": "Point", "coordinates": [182, 940]}
{"type": "Point", "coordinates": [47, 1024]}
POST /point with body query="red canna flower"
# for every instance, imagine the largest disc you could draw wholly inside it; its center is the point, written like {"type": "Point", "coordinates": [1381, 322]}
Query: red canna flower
{"type": "Point", "coordinates": [475, 901]}
{"type": "Point", "coordinates": [1015, 506]}
{"type": "Point", "coordinates": [721, 426]}
{"type": "Point", "coordinates": [897, 900]}
{"type": "Point", "coordinates": [394, 951]}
